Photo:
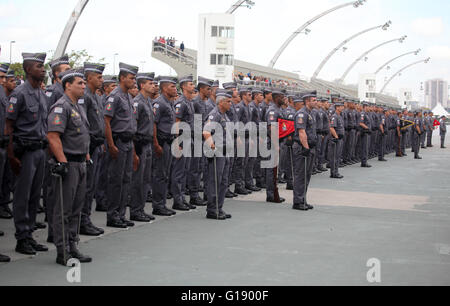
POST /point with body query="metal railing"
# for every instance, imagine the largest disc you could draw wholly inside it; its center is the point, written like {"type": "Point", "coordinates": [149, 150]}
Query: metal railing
{"type": "Point", "coordinates": [175, 53]}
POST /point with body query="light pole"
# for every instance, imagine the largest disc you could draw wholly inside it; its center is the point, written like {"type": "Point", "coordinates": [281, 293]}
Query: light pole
{"type": "Point", "coordinates": [325, 61]}
{"type": "Point", "coordinates": [400, 40]}
{"type": "Point", "coordinates": [396, 58]}
{"type": "Point", "coordinates": [401, 70]}
{"type": "Point", "coordinates": [249, 4]}
{"type": "Point", "coordinates": [10, 51]}
{"type": "Point", "coordinates": [355, 4]}
{"type": "Point", "coordinates": [116, 54]}
{"type": "Point", "coordinates": [143, 65]}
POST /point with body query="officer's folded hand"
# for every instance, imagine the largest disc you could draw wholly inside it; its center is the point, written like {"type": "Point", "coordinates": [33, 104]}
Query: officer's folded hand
{"type": "Point", "coordinates": [16, 165]}
{"type": "Point", "coordinates": [159, 151]}
{"type": "Point", "coordinates": [335, 140]}
{"type": "Point", "coordinates": [60, 169]}
{"type": "Point", "coordinates": [306, 152]}
{"type": "Point", "coordinates": [114, 152]}
{"type": "Point", "coordinates": [136, 162]}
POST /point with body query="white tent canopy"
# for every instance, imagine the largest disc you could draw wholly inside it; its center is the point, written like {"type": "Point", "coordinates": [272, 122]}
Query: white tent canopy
{"type": "Point", "coordinates": [439, 111]}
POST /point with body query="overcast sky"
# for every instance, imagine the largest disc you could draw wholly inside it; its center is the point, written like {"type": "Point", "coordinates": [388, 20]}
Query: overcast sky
{"type": "Point", "coordinates": [128, 27]}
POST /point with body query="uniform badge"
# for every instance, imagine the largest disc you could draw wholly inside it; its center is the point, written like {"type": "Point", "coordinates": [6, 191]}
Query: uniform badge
{"type": "Point", "coordinates": [11, 109]}
{"type": "Point", "coordinates": [57, 120]}
{"type": "Point", "coordinates": [300, 119]}
{"type": "Point", "coordinates": [284, 127]}
{"type": "Point", "coordinates": [109, 107]}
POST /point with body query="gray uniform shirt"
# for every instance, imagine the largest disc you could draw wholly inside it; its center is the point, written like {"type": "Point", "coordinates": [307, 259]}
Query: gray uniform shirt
{"type": "Point", "coordinates": [93, 107]}
{"type": "Point", "coordinates": [71, 122]}
{"type": "Point", "coordinates": [164, 115]}
{"type": "Point", "coordinates": [443, 127]}
{"type": "Point", "coordinates": [3, 100]}
{"type": "Point", "coordinates": [27, 106]}
{"type": "Point", "coordinates": [304, 120]}
{"type": "Point", "coordinates": [144, 116]}
{"type": "Point", "coordinates": [54, 93]}
{"type": "Point", "coordinates": [337, 122]}
{"type": "Point", "coordinates": [120, 108]}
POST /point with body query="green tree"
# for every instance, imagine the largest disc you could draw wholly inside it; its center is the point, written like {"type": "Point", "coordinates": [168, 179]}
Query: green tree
{"type": "Point", "coordinates": [18, 69]}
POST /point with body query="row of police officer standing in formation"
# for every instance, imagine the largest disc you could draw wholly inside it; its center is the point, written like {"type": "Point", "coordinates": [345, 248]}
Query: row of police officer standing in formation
{"type": "Point", "coordinates": [109, 138]}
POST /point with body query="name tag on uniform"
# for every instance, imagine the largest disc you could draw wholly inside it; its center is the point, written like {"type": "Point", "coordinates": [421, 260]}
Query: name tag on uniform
{"type": "Point", "coordinates": [81, 101]}
{"type": "Point", "coordinates": [110, 100]}
{"type": "Point", "coordinates": [13, 100]}
{"type": "Point", "coordinates": [58, 110]}
{"type": "Point", "coordinates": [136, 105]}
{"type": "Point", "coordinates": [49, 94]}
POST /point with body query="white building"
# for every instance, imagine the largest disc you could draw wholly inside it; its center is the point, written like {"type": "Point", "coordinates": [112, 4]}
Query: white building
{"type": "Point", "coordinates": [436, 92]}
{"type": "Point", "coordinates": [367, 88]}
{"type": "Point", "coordinates": [215, 59]}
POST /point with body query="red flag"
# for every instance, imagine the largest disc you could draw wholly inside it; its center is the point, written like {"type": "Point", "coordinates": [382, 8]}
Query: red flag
{"type": "Point", "coordinates": [287, 128]}
{"type": "Point", "coordinates": [436, 123]}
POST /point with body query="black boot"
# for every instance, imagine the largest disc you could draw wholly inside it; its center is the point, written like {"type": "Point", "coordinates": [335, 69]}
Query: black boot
{"type": "Point", "coordinates": [4, 258]}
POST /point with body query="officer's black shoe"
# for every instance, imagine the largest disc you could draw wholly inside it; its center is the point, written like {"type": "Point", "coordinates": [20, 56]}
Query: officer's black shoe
{"type": "Point", "coordinates": [328, 166]}
{"type": "Point", "coordinates": [127, 222]}
{"type": "Point", "coordinates": [36, 246]}
{"type": "Point", "coordinates": [82, 258]}
{"type": "Point", "coordinates": [140, 218]}
{"type": "Point", "coordinates": [173, 212]}
{"type": "Point", "coordinates": [39, 225]}
{"type": "Point", "coordinates": [240, 191]}
{"type": "Point", "coordinates": [191, 207]}
{"type": "Point", "coordinates": [417, 157]}
{"type": "Point", "coordinates": [101, 208]}
{"type": "Point", "coordinates": [50, 239]}
{"type": "Point", "coordinates": [180, 207]}
{"type": "Point", "coordinates": [282, 181]}
{"type": "Point", "coordinates": [162, 213]}
{"type": "Point", "coordinates": [310, 207]}
{"type": "Point", "coordinates": [404, 154]}
{"type": "Point", "coordinates": [382, 160]}
{"type": "Point", "coordinates": [198, 202]}
{"type": "Point", "coordinates": [23, 247]}
{"type": "Point", "coordinates": [169, 196]}
{"type": "Point", "coordinates": [88, 230]}
{"type": "Point", "coordinates": [116, 224]}
{"type": "Point", "coordinates": [216, 217]}
{"type": "Point", "coordinates": [270, 200]}
{"type": "Point", "coordinates": [261, 185]}
{"type": "Point", "coordinates": [2, 234]}
{"type": "Point", "coordinates": [4, 259]}
{"type": "Point", "coordinates": [4, 214]}
{"type": "Point", "coordinates": [248, 191]}
{"type": "Point", "coordinates": [229, 194]}
{"type": "Point", "coordinates": [290, 187]}
{"type": "Point", "coordinates": [99, 229]}
{"type": "Point", "coordinates": [253, 188]}
{"type": "Point", "coordinates": [366, 166]}
{"type": "Point", "coordinates": [338, 176]}
{"type": "Point", "coordinates": [149, 198]}
{"type": "Point", "coordinates": [151, 217]}
{"type": "Point", "coordinates": [321, 169]}
{"type": "Point", "coordinates": [301, 207]}
{"type": "Point", "coordinates": [228, 216]}
{"type": "Point", "coordinates": [60, 260]}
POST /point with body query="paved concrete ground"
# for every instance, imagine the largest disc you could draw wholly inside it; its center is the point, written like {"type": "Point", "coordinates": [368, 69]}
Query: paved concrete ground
{"type": "Point", "coordinates": [397, 212]}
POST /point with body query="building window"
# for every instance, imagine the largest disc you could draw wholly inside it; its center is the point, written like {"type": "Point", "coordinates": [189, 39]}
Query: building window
{"type": "Point", "coordinates": [223, 32]}
{"type": "Point", "coordinates": [213, 59]}
{"type": "Point", "coordinates": [220, 59]}
{"type": "Point", "coordinates": [214, 31]}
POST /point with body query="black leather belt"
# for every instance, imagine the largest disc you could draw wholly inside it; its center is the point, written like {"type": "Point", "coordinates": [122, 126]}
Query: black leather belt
{"type": "Point", "coordinates": [76, 158]}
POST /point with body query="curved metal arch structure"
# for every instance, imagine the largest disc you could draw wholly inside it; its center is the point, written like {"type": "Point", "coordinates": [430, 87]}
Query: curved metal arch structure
{"type": "Point", "coordinates": [303, 27]}
{"type": "Point", "coordinates": [341, 80]}
{"type": "Point", "coordinates": [235, 6]}
{"type": "Point", "coordinates": [70, 26]}
{"type": "Point", "coordinates": [333, 52]}
{"type": "Point", "coordinates": [401, 70]}
{"type": "Point", "coordinates": [396, 58]}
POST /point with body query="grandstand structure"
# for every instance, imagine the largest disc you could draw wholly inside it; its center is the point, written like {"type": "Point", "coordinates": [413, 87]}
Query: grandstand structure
{"type": "Point", "coordinates": [185, 63]}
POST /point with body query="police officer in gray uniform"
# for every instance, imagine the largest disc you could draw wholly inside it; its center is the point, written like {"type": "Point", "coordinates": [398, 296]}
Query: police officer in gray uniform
{"type": "Point", "coordinates": [56, 91]}
{"type": "Point", "coordinates": [443, 131]}
{"type": "Point", "coordinates": [253, 169]}
{"type": "Point", "coordinates": [162, 154]}
{"type": "Point", "coordinates": [273, 114]}
{"type": "Point", "coordinates": [93, 108]}
{"type": "Point", "coordinates": [232, 115]}
{"type": "Point", "coordinates": [184, 114]}
{"type": "Point", "coordinates": [337, 135]}
{"type": "Point", "coordinates": [26, 125]}
{"type": "Point", "coordinates": [120, 128]}
{"type": "Point", "coordinates": [418, 131]}
{"type": "Point", "coordinates": [68, 135]}
{"type": "Point", "coordinates": [143, 146]}
{"type": "Point", "coordinates": [366, 126]}
{"type": "Point", "coordinates": [305, 142]}
{"type": "Point", "coordinates": [289, 114]}
{"type": "Point", "coordinates": [218, 165]}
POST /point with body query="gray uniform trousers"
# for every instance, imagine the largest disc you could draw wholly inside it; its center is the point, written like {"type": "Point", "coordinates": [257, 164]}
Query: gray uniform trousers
{"type": "Point", "coordinates": [161, 172]}
{"type": "Point", "coordinates": [119, 180]}
{"type": "Point", "coordinates": [74, 193]}
{"type": "Point", "coordinates": [443, 140]}
{"type": "Point", "coordinates": [231, 171]}
{"type": "Point", "coordinates": [93, 170]}
{"type": "Point", "coordinates": [340, 152]}
{"type": "Point", "coordinates": [102, 180]}
{"type": "Point", "coordinates": [271, 178]}
{"type": "Point", "coordinates": [302, 166]}
{"type": "Point", "coordinates": [288, 166]}
{"type": "Point", "coordinates": [249, 171]}
{"type": "Point", "coordinates": [364, 147]}
{"type": "Point", "coordinates": [194, 175]}
{"type": "Point", "coordinates": [429, 138]}
{"type": "Point", "coordinates": [346, 150]}
{"type": "Point", "coordinates": [422, 138]}
{"type": "Point", "coordinates": [398, 143]}
{"type": "Point", "coordinates": [3, 159]}
{"type": "Point", "coordinates": [178, 180]}
{"type": "Point", "coordinates": [416, 144]}
{"type": "Point", "coordinates": [141, 180]}
{"type": "Point", "coordinates": [403, 142]}
{"type": "Point", "coordinates": [257, 171]}
{"type": "Point", "coordinates": [352, 144]}
{"type": "Point", "coordinates": [283, 159]}
{"type": "Point", "coordinates": [318, 151]}
{"type": "Point", "coordinates": [333, 150]}
{"type": "Point", "coordinates": [222, 171]}
{"type": "Point", "coordinates": [381, 145]}
{"type": "Point", "coordinates": [27, 194]}
{"type": "Point", "coordinates": [239, 166]}
{"type": "Point", "coordinates": [323, 150]}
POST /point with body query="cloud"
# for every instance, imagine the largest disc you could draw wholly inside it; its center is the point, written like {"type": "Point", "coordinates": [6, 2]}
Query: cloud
{"type": "Point", "coordinates": [428, 26]}
{"type": "Point", "coordinates": [7, 9]}
{"type": "Point", "coordinates": [439, 52]}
